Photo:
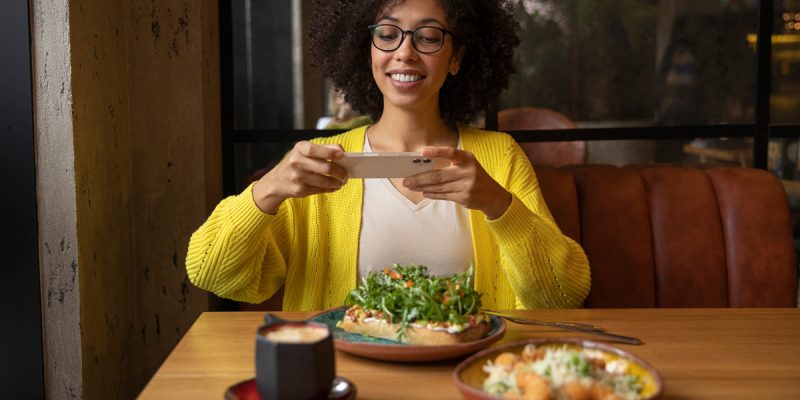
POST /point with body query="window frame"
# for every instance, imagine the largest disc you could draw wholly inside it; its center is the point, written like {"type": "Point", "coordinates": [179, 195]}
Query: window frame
{"type": "Point", "coordinates": [21, 299]}
{"type": "Point", "coordinates": [761, 131]}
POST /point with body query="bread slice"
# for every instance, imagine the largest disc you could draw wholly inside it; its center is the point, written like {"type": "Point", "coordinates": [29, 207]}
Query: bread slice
{"type": "Point", "coordinates": [415, 334]}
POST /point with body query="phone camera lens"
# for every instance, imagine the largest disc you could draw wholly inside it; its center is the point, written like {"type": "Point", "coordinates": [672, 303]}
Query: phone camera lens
{"type": "Point", "coordinates": [417, 161]}
{"type": "Point", "coordinates": [427, 160]}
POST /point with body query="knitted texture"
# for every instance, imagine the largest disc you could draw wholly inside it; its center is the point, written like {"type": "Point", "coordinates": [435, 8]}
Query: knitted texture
{"type": "Point", "coordinates": [522, 260]}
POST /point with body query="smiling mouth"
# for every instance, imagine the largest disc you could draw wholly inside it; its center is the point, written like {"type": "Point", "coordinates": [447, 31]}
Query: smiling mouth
{"type": "Point", "coordinates": [406, 78]}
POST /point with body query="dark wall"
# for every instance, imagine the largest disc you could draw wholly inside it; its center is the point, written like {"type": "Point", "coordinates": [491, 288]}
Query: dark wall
{"type": "Point", "coordinates": [20, 309]}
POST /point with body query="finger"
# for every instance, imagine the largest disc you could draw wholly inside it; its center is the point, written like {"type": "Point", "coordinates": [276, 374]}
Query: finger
{"type": "Point", "coordinates": [451, 186]}
{"type": "Point", "coordinates": [450, 153]}
{"type": "Point", "coordinates": [324, 152]}
{"type": "Point", "coordinates": [322, 181]}
{"type": "Point", "coordinates": [438, 196]}
{"type": "Point", "coordinates": [337, 148]}
{"type": "Point", "coordinates": [438, 189]}
{"type": "Point", "coordinates": [337, 171]}
{"type": "Point", "coordinates": [433, 177]}
{"type": "Point", "coordinates": [326, 168]}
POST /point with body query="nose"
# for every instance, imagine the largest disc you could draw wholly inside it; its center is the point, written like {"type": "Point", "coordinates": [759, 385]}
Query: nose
{"type": "Point", "coordinates": [406, 51]}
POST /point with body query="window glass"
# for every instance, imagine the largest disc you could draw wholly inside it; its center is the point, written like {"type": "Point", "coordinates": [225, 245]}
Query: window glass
{"type": "Point", "coordinates": [262, 65]}
{"type": "Point", "coordinates": [693, 152]}
{"type": "Point", "coordinates": [784, 162]}
{"type": "Point", "coordinates": [636, 62]}
{"type": "Point", "coordinates": [597, 63]}
{"type": "Point", "coordinates": [783, 158]}
{"type": "Point", "coordinates": [786, 63]}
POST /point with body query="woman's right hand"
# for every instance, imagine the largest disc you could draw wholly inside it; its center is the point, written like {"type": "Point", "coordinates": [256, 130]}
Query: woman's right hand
{"type": "Point", "coordinates": [305, 170]}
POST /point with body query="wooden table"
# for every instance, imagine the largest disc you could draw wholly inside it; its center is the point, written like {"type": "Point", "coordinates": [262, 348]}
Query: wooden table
{"type": "Point", "coordinates": [700, 353]}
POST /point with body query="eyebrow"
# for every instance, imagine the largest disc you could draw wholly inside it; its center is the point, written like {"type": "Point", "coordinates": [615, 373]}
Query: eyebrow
{"type": "Point", "coordinates": [419, 23]}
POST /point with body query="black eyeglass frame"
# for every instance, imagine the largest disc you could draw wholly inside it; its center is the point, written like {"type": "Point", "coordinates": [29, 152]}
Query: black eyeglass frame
{"type": "Point", "coordinates": [403, 33]}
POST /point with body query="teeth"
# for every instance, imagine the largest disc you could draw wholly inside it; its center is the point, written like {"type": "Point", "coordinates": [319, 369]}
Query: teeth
{"type": "Point", "coordinates": [406, 78]}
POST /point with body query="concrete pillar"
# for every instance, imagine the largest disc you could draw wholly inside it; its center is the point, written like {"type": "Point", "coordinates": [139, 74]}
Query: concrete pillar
{"type": "Point", "coordinates": [127, 124]}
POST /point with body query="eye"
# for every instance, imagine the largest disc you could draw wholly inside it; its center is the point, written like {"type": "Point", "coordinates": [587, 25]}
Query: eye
{"type": "Point", "coordinates": [387, 36]}
{"type": "Point", "coordinates": [430, 39]}
{"type": "Point", "coordinates": [387, 33]}
{"type": "Point", "coordinates": [429, 36]}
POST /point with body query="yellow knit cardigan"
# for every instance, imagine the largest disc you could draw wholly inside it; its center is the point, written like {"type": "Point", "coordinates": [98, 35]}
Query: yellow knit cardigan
{"type": "Point", "coordinates": [522, 260]}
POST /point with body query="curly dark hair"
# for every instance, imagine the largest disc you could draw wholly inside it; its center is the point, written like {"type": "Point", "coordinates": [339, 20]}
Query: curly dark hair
{"type": "Point", "coordinates": [486, 29]}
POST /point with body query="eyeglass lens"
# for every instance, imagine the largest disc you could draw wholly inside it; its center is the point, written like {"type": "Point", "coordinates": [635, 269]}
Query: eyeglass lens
{"type": "Point", "coordinates": [425, 39]}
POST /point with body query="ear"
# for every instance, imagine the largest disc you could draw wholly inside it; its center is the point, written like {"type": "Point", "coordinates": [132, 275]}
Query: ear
{"type": "Point", "coordinates": [455, 60]}
{"type": "Point", "coordinates": [454, 69]}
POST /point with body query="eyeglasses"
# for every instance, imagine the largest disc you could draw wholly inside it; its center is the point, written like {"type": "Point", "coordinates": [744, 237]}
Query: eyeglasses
{"type": "Point", "coordinates": [425, 39]}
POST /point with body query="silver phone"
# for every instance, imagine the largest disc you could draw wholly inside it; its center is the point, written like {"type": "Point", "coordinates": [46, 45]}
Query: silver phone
{"type": "Point", "coordinates": [384, 164]}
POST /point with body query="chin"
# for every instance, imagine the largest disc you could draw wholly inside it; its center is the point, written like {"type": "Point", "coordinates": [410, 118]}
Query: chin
{"type": "Point", "coordinates": [407, 102]}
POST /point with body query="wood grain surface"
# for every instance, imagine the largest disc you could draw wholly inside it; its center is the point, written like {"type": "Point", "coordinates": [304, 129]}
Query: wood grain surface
{"type": "Point", "coordinates": [700, 353]}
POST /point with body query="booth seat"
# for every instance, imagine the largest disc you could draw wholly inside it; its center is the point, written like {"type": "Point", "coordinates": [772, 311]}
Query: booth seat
{"type": "Point", "coordinates": [668, 236]}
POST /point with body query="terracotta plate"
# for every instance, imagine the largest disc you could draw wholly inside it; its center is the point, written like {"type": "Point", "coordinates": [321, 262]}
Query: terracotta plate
{"type": "Point", "coordinates": [469, 375]}
{"type": "Point", "coordinates": [388, 350]}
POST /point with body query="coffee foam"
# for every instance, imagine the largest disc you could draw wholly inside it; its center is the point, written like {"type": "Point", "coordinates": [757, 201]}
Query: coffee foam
{"type": "Point", "coordinates": [297, 334]}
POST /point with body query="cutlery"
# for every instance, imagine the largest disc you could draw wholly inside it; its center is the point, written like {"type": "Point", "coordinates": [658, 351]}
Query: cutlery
{"type": "Point", "coordinates": [570, 326]}
{"type": "Point", "coordinates": [563, 325]}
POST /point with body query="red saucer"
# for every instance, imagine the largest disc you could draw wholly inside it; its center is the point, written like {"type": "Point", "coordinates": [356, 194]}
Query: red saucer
{"type": "Point", "coordinates": [342, 389]}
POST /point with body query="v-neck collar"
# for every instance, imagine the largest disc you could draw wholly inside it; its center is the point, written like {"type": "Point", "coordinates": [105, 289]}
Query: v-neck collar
{"type": "Point", "coordinates": [415, 207]}
{"type": "Point", "coordinates": [387, 184]}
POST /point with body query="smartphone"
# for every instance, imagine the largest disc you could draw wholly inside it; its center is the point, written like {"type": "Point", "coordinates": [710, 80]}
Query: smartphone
{"type": "Point", "coordinates": [384, 165]}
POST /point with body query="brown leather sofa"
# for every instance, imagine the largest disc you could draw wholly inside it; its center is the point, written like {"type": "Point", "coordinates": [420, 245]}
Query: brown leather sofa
{"type": "Point", "coordinates": [666, 236]}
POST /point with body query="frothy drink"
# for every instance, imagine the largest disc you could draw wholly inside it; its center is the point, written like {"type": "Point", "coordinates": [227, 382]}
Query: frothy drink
{"type": "Point", "coordinates": [296, 334]}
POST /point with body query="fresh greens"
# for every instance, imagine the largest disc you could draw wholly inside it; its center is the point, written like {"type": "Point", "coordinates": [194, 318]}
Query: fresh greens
{"type": "Point", "coordinates": [407, 294]}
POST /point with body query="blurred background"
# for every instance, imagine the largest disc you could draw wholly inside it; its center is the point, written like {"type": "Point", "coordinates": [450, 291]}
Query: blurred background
{"type": "Point", "coordinates": [585, 66]}
{"type": "Point", "coordinates": [126, 122]}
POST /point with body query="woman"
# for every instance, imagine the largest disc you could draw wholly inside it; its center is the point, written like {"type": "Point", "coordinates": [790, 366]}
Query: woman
{"type": "Point", "coordinates": [421, 69]}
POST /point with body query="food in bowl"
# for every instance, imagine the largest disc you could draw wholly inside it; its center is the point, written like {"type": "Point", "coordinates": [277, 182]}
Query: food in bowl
{"type": "Point", "coordinates": [557, 368]}
{"type": "Point", "coordinates": [406, 304]}
{"type": "Point", "coordinates": [564, 371]}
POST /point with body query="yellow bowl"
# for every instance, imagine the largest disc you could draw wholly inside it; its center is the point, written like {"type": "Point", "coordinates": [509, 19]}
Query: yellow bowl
{"type": "Point", "coordinates": [469, 375]}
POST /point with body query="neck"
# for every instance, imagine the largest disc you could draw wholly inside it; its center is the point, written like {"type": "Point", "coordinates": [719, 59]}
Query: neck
{"type": "Point", "coordinates": [410, 130]}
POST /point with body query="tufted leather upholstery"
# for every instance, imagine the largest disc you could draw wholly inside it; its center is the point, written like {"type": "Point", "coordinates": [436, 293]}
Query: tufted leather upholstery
{"type": "Point", "coordinates": [667, 236]}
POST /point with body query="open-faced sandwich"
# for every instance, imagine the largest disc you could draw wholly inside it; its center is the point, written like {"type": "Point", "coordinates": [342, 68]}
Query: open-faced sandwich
{"type": "Point", "coordinates": [406, 304]}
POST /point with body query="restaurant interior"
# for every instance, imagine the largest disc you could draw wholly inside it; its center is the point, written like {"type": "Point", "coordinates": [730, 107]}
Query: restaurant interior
{"type": "Point", "coordinates": [125, 123]}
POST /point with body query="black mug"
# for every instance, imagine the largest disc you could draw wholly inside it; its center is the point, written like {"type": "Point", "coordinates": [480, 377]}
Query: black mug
{"type": "Point", "coordinates": [294, 359]}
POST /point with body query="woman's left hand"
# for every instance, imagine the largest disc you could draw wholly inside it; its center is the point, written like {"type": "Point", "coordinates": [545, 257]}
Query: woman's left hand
{"type": "Point", "coordinates": [463, 181]}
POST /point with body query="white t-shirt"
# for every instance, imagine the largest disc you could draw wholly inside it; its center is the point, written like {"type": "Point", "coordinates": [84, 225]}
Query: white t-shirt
{"type": "Point", "coordinates": [434, 233]}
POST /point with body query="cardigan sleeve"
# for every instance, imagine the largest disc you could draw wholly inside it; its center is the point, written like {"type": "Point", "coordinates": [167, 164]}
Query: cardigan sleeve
{"type": "Point", "coordinates": [546, 269]}
{"type": "Point", "coordinates": [239, 252]}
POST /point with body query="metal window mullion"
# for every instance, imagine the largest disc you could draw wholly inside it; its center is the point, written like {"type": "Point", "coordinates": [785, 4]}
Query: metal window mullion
{"type": "Point", "coordinates": [763, 82]}
{"type": "Point", "coordinates": [557, 135]}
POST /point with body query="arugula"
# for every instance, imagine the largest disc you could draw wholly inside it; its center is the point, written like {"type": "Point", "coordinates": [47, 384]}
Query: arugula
{"type": "Point", "coordinates": [407, 294]}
